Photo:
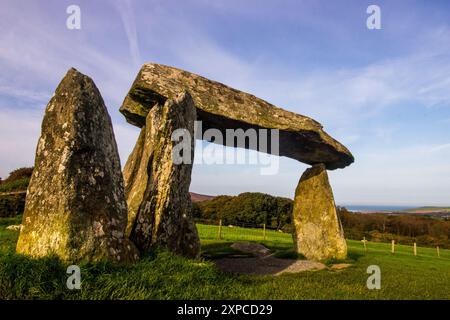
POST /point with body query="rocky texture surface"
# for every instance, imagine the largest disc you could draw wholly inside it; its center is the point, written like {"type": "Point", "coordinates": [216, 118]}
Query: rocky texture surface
{"type": "Point", "coordinates": [222, 107]}
{"type": "Point", "coordinates": [250, 247]}
{"type": "Point", "coordinates": [75, 205]}
{"type": "Point", "coordinates": [14, 227]}
{"type": "Point", "coordinates": [157, 189]}
{"type": "Point", "coordinates": [318, 232]}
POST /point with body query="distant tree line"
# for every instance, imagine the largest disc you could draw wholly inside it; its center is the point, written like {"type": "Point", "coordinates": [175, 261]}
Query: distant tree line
{"type": "Point", "coordinates": [275, 212]}
{"type": "Point", "coordinates": [249, 207]}
{"type": "Point", "coordinates": [405, 229]}
{"type": "Point", "coordinates": [17, 180]}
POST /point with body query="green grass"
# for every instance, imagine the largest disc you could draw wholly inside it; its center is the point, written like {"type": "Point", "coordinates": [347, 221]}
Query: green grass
{"type": "Point", "coordinates": [8, 238]}
{"type": "Point", "coordinates": [162, 275]}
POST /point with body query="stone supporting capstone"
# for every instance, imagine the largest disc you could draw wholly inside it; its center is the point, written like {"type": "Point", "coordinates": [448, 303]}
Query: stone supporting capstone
{"type": "Point", "coordinates": [318, 232]}
{"type": "Point", "coordinates": [157, 188]}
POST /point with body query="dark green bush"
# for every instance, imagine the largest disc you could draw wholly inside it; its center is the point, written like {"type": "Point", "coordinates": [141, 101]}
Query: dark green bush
{"type": "Point", "coordinates": [16, 185]}
{"type": "Point", "coordinates": [19, 174]}
{"type": "Point", "coordinates": [249, 207]}
{"type": "Point", "coordinates": [12, 205]}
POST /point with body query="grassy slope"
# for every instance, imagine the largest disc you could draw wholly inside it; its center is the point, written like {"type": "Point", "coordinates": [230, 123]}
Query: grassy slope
{"type": "Point", "coordinates": [164, 276]}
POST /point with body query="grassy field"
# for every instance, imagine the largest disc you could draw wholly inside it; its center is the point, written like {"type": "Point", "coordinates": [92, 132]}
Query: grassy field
{"type": "Point", "coordinates": [162, 275]}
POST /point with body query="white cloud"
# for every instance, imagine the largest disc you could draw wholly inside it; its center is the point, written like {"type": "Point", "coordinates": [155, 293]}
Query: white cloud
{"type": "Point", "coordinates": [439, 148]}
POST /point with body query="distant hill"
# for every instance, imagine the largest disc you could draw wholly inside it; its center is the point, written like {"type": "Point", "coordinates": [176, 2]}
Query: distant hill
{"type": "Point", "coordinates": [17, 181]}
{"type": "Point", "coordinates": [442, 212]}
{"type": "Point", "coordinates": [427, 210]}
{"type": "Point", "coordinates": [197, 197]}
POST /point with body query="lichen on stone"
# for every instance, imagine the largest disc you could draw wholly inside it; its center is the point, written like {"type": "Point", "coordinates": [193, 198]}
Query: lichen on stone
{"type": "Point", "coordinates": [157, 190]}
{"type": "Point", "coordinates": [76, 167]}
{"type": "Point", "coordinates": [318, 233]}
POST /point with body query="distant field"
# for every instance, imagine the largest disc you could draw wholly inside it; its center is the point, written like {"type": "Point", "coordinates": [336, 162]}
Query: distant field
{"type": "Point", "coordinates": [427, 209]}
{"type": "Point", "coordinates": [209, 233]}
{"type": "Point", "coordinates": [162, 275]}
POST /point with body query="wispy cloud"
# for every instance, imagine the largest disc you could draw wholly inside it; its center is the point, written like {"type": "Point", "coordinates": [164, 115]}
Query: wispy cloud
{"type": "Point", "coordinates": [440, 147]}
{"type": "Point", "coordinates": [125, 10]}
{"type": "Point", "coordinates": [24, 94]}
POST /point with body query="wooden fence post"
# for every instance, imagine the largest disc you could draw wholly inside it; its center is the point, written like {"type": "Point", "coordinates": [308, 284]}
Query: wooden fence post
{"type": "Point", "coordinates": [437, 249]}
{"type": "Point", "coordinates": [415, 249]}
{"type": "Point", "coordinates": [220, 229]}
{"type": "Point", "coordinates": [264, 231]}
{"type": "Point", "coordinates": [393, 246]}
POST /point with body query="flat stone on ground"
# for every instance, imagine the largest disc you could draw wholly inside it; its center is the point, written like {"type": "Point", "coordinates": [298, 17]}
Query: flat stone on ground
{"type": "Point", "coordinates": [250, 247]}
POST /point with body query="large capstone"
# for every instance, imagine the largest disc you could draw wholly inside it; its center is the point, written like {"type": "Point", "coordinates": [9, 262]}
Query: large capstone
{"type": "Point", "coordinates": [157, 186]}
{"type": "Point", "coordinates": [75, 205]}
{"type": "Point", "coordinates": [318, 232]}
{"type": "Point", "coordinates": [222, 107]}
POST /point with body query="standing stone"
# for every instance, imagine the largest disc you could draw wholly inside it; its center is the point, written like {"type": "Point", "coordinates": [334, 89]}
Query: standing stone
{"type": "Point", "coordinates": [157, 189]}
{"type": "Point", "coordinates": [75, 205]}
{"type": "Point", "coordinates": [318, 231]}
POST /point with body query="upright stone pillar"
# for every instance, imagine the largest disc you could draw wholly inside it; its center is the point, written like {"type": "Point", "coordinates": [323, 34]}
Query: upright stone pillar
{"type": "Point", "coordinates": [75, 205]}
{"type": "Point", "coordinates": [156, 187]}
{"type": "Point", "coordinates": [318, 232]}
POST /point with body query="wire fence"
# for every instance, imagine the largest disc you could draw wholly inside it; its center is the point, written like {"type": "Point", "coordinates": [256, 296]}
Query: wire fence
{"type": "Point", "coordinates": [216, 229]}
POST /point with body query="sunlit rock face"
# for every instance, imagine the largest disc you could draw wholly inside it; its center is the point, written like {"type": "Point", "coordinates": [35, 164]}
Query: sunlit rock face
{"type": "Point", "coordinates": [75, 205]}
{"type": "Point", "coordinates": [157, 188]}
{"type": "Point", "coordinates": [222, 107]}
{"type": "Point", "coordinates": [318, 232]}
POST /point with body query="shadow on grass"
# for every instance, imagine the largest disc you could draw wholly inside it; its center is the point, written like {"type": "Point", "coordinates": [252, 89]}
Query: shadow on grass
{"type": "Point", "coordinates": [232, 261]}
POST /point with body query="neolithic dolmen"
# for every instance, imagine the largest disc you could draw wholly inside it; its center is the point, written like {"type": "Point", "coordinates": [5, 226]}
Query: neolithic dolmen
{"type": "Point", "coordinates": [318, 233]}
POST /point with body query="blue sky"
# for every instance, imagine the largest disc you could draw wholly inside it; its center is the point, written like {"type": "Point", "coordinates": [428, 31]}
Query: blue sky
{"type": "Point", "coordinates": [384, 93]}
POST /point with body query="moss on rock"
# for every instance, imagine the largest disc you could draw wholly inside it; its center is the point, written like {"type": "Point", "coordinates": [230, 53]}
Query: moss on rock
{"type": "Point", "coordinates": [318, 232]}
